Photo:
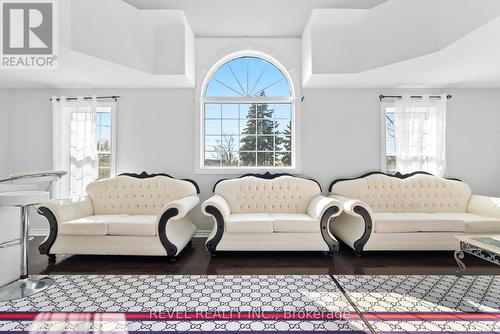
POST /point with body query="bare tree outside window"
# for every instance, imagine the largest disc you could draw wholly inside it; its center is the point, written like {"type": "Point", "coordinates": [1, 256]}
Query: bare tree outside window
{"type": "Point", "coordinates": [103, 133]}
{"type": "Point", "coordinates": [227, 150]}
{"type": "Point", "coordinates": [390, 148]}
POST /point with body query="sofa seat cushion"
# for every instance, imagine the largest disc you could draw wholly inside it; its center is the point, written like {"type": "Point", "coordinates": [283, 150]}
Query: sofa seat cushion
{"type": "Point", "coordinates": [294, 222]}
{"type": "Point", "coordinates": [249, 223]}
{"type": "Point", "coordinates": [475, 223]}
{"type": "Point", "coordinates": [135, 225]}
{"type": "Point", "coordinates": [90, 225]}
{"type": "Point", "coordinates": [410, 222]}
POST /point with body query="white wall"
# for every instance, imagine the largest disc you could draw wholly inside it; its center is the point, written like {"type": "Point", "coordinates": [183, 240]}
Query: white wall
{"type": "Point", "coordinates": [3, 132]}
{"type": "Point", "coordinates": [340, 134]}
{"type": "Point", "coordinates": [473, 138]}
{"type": "Point", "coordinates": [29, 131]}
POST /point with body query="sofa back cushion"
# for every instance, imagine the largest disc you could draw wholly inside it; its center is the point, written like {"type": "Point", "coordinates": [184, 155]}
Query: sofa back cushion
{"type": "Point", "coordinates": [417, 193]}
{"type": "Point", "coordinates": [136, 196]}
{"type": "Point", "coordinates": [283, 194]}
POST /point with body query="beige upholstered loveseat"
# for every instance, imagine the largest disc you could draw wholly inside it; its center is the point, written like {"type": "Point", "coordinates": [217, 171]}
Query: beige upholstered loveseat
{"type": "Point", "coordinates": [132, 214]}
{"type": "Point", "coordinates": [416, 211]}
{"type": "Point", "coordinates": [270, 212]}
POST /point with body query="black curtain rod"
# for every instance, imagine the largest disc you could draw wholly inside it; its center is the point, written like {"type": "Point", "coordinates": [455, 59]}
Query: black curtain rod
{"type": "Point", "coordinates": [381, 97]}
{"type": "Point", "coordinates": [115, 97]}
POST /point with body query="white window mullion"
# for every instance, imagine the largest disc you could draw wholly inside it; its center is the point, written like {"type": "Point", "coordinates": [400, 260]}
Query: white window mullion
{"type": "Point", "coordinates": [220, 135]}
{"type": "Point", "coordinates": [220, 83]}
{"type": "Point", "coordinates": [247, 99]}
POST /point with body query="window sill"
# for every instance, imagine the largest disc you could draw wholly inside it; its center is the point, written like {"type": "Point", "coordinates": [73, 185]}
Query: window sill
{"type": "Point", "coordinates": [245, 170]}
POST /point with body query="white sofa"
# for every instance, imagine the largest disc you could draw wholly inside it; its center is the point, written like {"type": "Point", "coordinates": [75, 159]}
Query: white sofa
{"type": "Point", "coordinates": [270, 212]}
{"type": "Point", "coordinates": [415, 211]}
{"type": "Point", "coordinates": [132, 214]}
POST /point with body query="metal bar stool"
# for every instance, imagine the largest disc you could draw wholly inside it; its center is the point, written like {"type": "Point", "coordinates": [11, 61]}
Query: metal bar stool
{"type": "Point", "coordinates": [25, 285]}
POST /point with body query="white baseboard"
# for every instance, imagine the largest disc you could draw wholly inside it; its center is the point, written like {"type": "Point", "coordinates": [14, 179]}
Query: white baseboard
{"type": "Point", "coordinates": [39, 232]}
{"type": "Point", "coordinates": [43, 232]}
{"type": "Point", "coordinates": [202, 233]}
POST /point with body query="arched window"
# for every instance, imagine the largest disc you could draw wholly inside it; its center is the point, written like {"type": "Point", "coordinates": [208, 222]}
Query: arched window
{"type": "Point", "coordinates": [248, 115]}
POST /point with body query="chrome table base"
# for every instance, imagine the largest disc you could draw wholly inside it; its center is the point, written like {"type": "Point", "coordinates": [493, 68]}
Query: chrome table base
{"type": "Point", "coordinates": [24, 287]}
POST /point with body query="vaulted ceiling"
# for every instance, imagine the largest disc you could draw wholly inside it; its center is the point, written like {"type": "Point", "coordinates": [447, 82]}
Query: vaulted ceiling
{"type": "Point", "coordinates": [345, 43]}
{"type": "Point", "coordinates": [249, 18]}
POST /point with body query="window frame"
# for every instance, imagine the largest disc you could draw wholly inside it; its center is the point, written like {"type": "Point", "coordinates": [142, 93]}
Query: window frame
{"type": "Point", "coordinates": [112, 106]}
{"type": "Point", "coordinates": [200, 167]}
{"type": "Point", "coordinates": [383, 139]}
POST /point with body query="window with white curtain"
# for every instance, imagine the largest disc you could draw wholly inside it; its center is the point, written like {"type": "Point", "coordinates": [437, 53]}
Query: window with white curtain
{"type": "Point", "coordinates": [83, 142]}
{"type": "Point", "coordinates": [414, 134]}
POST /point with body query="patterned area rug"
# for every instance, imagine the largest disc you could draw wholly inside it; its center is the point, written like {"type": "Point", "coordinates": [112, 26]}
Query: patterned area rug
{"type": "Point", "coordinates": [184, 303]}
{"type": "Point", "coordinates": [313, 303]}
{"type": "Point", "coordinates": [426, 303]}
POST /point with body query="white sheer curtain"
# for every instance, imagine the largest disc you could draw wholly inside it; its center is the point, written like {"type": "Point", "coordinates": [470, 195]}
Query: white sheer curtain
{"type": "Point", "coordinates": [420, 134]}
{"type": "Point", "coordinates": [74, 144]}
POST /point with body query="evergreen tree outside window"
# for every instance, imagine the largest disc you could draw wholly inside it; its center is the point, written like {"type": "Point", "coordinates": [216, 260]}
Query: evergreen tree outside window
{"type": "Point", "coordinates": [248, 116]}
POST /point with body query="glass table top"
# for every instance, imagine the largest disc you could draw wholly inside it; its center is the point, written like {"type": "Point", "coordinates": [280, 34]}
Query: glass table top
{"type": "Point", "coordinates": [493, 241]}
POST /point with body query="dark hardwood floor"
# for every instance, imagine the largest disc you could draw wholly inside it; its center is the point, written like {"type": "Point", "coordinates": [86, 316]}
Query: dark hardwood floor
{"type": "Point", "coordinates": [197, 261]}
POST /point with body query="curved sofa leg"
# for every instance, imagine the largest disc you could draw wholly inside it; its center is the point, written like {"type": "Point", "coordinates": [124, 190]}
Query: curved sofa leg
{"type": "Point", "coordinates": [219, 219]}
{"type": "Point", "coordinates": [46, 245]}
{"type": "Point", "coordinates": [329, 254]}
{"type": "Point", "coordinates": [333, 245]}
{"type": "Point", "coordinates": [360, 243]}
{"type": "Point", "coordinates": [162, 232]}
